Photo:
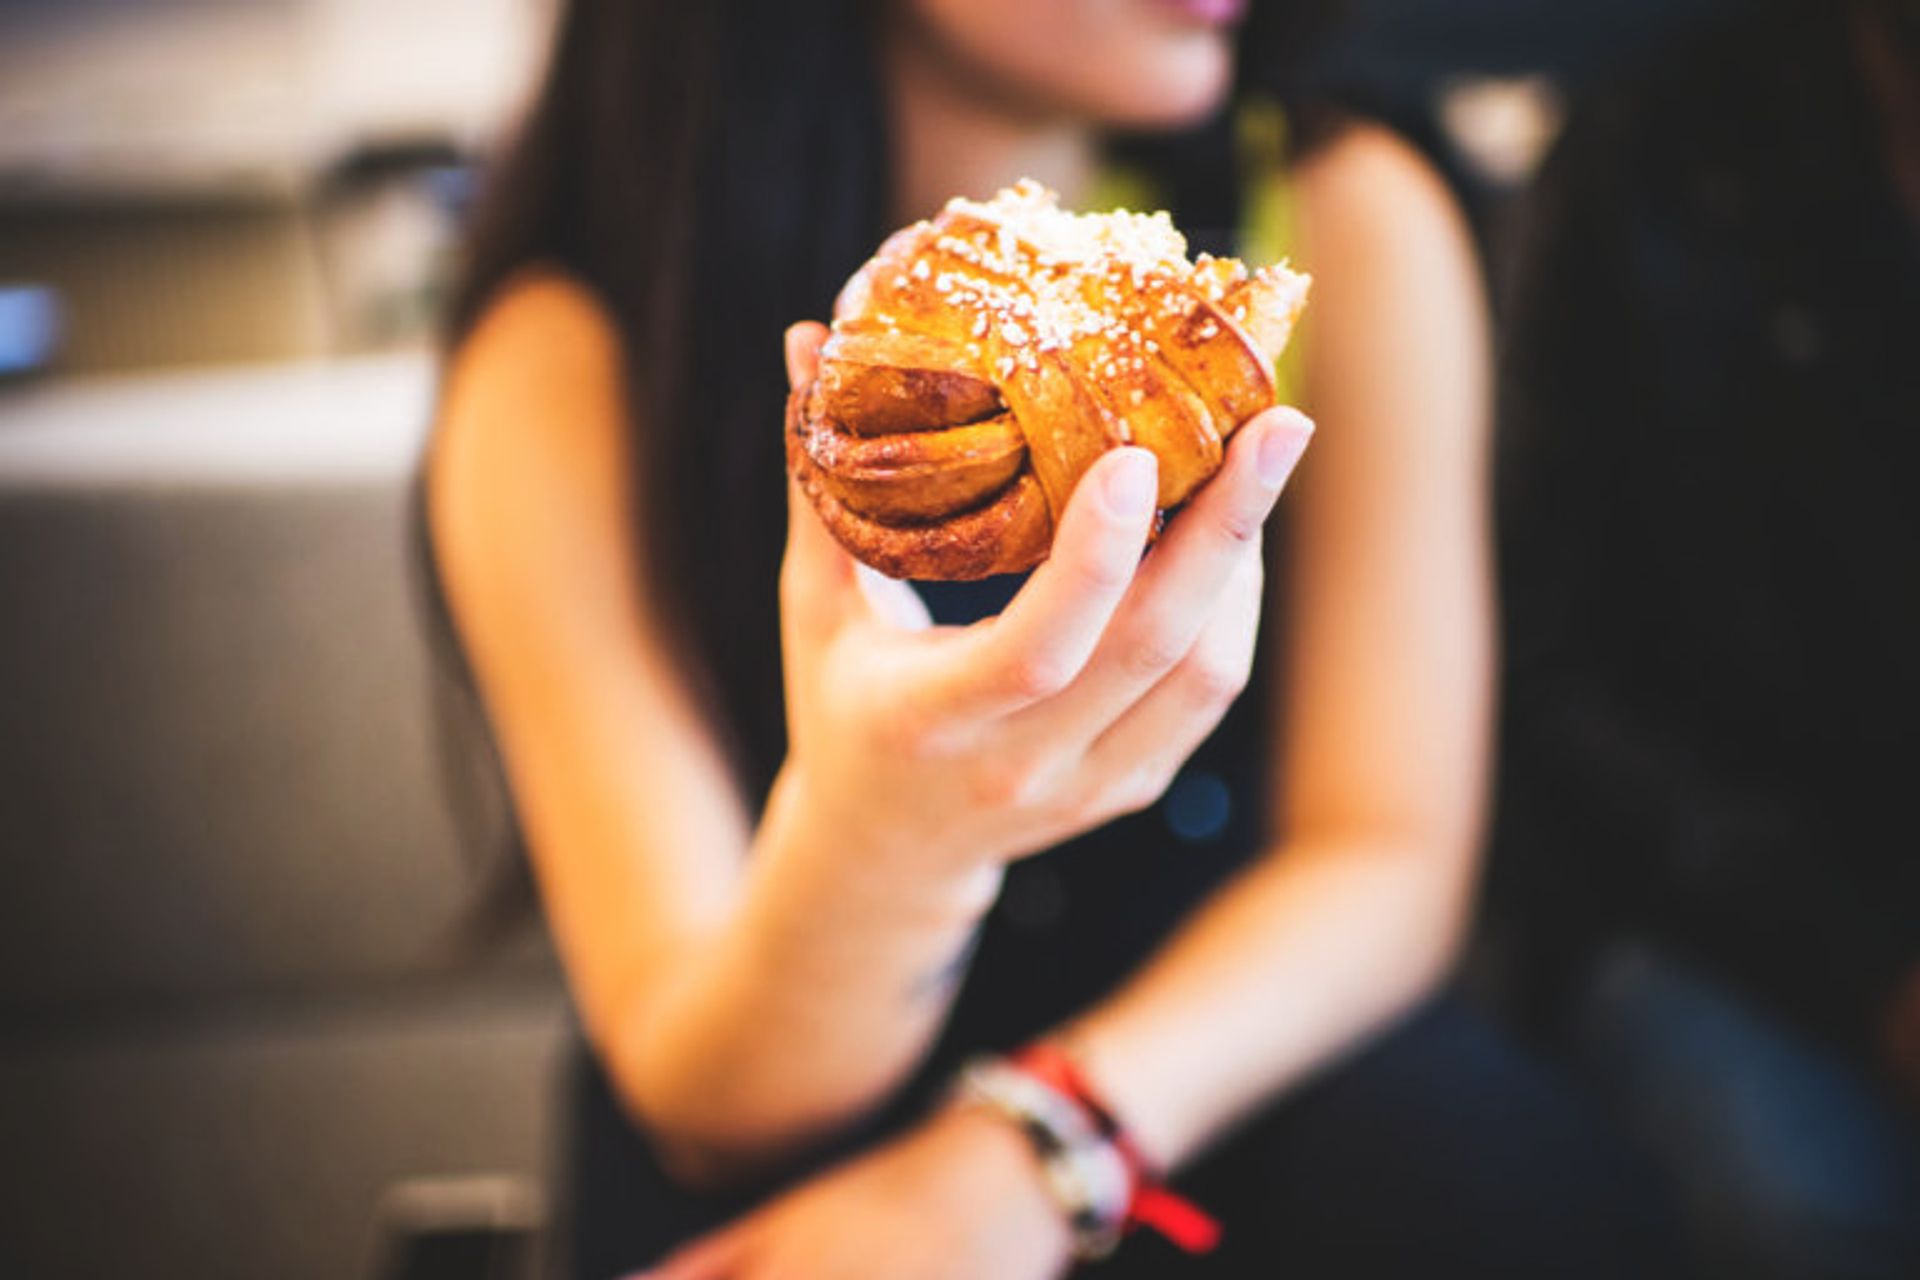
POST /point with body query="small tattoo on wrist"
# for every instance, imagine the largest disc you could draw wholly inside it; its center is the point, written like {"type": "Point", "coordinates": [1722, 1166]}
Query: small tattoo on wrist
{"type": "Point", "coordinates": [941, 982]}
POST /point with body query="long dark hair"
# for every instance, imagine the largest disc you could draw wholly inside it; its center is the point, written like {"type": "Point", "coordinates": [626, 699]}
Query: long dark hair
{"type": "Point", "coordinates": [1707, 528]}
{"type": "Point", "coordinates": [713, 172]}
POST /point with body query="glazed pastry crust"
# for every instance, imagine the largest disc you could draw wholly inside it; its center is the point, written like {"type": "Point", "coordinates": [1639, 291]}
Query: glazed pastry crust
{"type": "Point", "coordinates": [980, 362]}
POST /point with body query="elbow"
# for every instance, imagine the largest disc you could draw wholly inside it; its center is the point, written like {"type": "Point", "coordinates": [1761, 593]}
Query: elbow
{"type": "Point", "coordinates": [716, 1106]}
{"type": "Point", "coordinates": [1446, 923]}
{"type": "Point", "coordinates": [703, 1163]}
{"type": "Point", "coordinates": [1442, 957]}
{"type": "Point", "coordinates": [707, 1117]}
{"type": "Point", "coordinates": [707, 1133]}
{"type": "Point", "coordinates": [698, 1149]}
{"type": "Point", "coordinates": [1423, 958]}
{"type": "Point", "coordinates": [1420, 886]}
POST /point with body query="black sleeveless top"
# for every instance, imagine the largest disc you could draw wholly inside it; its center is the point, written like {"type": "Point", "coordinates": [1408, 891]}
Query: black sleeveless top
{"type": "Point", "coordinates": [1070, 924]}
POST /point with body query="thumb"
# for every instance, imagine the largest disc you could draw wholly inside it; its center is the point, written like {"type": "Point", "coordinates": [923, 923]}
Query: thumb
{"type": "Point", "coordinates": [893, 601]}
{"type": "Point", "coordinates": [818, 587]}
{"type": "Point", "coordinates": [803, 351]}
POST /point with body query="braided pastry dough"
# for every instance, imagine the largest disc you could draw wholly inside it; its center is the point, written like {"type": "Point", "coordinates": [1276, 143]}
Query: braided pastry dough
{"type": "Point", "coordinates": [980, 362]}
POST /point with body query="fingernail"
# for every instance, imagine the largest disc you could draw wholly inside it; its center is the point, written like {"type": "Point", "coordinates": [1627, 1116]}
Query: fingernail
{"type": "Point", "coordinates": [1132, 484]}
{"type": "Point", "coordinates": [1279, 451]}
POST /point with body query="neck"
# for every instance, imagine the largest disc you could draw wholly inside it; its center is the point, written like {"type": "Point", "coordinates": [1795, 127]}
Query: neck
{"type": "Point", "coordinates": [957, 133]}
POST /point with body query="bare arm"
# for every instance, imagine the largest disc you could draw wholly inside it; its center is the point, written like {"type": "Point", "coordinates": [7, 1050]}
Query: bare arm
{"type": "Point", "coordinates": [752, 986]}
{"type": "Point", "coordinates": [1358, 907]}
{"type": "Point", "coordinates": [639, 838]}
{"type": "Point", "coordinates": [1384, 702]}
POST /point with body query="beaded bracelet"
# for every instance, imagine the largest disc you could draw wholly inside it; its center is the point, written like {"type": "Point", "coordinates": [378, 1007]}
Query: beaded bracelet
{"type": "Point", "coordinates": [1085, 1174]}
{"type": "Point", "coordinates": [1093, 1169]}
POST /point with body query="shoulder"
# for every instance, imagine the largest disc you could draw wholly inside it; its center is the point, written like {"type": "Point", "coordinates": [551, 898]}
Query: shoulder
{"type": "Point", "coordinates": [1366, 188]}
{"type": "Point", "coordinates": [533, 420]}
{"type": "Point", "coordinates": [541, 370]}
{"type": "Point", "coordinates": [1398, 340]}
{"type": "Point", "coordinates": [1365, 150]}
{"type": "Point", "coordinates": [541, 322]}
{"type": "Point", "coordinates": [1396, 270]}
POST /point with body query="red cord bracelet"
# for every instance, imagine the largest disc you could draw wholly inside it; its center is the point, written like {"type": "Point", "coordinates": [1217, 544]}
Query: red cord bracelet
{"type": "Point", "coordinates": [1152, 1204]}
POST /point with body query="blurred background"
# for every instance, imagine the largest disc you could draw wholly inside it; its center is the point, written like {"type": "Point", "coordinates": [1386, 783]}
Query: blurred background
{"type": "Point", "coordinates": [241, 1034]}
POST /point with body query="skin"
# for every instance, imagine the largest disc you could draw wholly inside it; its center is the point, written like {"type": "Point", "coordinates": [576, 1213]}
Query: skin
{"type": "Point", "coordinates": [756, 981]}
{"type": "Point", "coordinates": [985, 82]}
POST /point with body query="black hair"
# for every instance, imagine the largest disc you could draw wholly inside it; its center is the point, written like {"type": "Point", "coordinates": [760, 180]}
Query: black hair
{"type": "Point", "coordinates": [714, 172]}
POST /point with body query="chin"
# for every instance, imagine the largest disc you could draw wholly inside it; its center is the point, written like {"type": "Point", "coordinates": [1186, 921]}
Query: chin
{"type": "Point", "coordinates": [1172, 104]}
{"type": "Point", "coordinates": [1169, 91]}
{"type": "Point", "coordinates": [1125, 64]}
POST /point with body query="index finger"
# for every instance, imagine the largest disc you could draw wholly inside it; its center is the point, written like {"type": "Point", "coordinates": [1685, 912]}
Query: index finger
{"type": "Point", "coordinates": [1036, 647]}
{"type": "Point", "coordinates": [1179, 585]}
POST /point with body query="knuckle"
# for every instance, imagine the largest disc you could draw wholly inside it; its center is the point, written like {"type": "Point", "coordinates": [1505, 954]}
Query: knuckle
{"type": "Point", "coordinates": [1242, 525]}
{"type": "Point", "coordinates": [1139, 789]}
{"type": "Point", "coordinates": [1150, 652]}
{"type": "Point", "coordinates": [1103, 574]}
{"type": "Point", "coordinates": [906, 735]}
{"type": "Point", "coordinates": [1081, 813]}
{"type": "Point", "coordinates": [1216, 681]}
{"type": "Point", "coordinates": [1039, 675]}
{"type": "Point", "coordinates": [1005, 780]}
{"type": "Point", "coordinates": [994, 786]}
{"type": "Point", "coordinates": [1087, 807]}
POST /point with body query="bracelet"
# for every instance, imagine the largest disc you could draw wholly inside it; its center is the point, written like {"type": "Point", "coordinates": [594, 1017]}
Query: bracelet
{"type": "Point", "coordinates": [1086, 1176]}
{"type": "Point", "coordinates": [1152, 1203]}
{"type": "Point", "coordinates": [1093, 1171]}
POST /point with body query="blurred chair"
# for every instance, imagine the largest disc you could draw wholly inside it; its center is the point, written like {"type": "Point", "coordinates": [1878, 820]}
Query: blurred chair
{"type": "Point", "coordinates": [233, 1013]}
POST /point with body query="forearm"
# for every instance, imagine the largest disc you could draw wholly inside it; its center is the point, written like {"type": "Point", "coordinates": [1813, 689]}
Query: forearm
{"type": "Point", "coordinates": [1308, 951]}
{"type": "Point", "coordinates": [807, 1005]}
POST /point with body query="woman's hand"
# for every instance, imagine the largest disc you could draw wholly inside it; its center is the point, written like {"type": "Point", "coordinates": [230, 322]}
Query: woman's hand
{"type": "Point", "coordinates": [960, 747]}
{"type": "Point", "coordinates": [959, 1198]}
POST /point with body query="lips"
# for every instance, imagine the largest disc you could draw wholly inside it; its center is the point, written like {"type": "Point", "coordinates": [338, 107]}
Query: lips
{"type": "Point", "coordinates": [1213, 13]}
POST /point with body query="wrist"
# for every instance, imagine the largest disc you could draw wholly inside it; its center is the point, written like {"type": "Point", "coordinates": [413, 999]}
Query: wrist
{"type": "Point", "coordinates": [1095, 1174]}
{"type": "Point", "coordinates": [800, 827]}
{"type": "Point", "coordinates": [1001, 1168]}
{"type": "Point", "coordinates": [1125, 1062]}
